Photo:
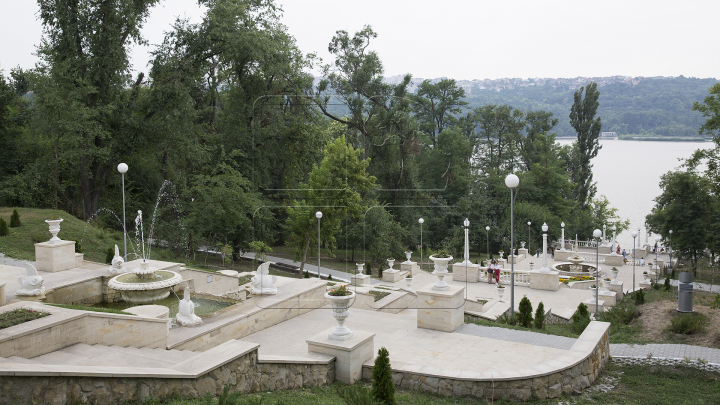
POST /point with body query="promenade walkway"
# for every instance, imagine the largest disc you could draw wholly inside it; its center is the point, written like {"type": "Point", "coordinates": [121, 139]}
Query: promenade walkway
{"type": "Point", "coordinates": [667, 351]}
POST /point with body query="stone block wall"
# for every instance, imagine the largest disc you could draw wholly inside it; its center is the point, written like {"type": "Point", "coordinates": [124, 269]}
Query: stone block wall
{"type": "Point", "coordinates": [245, 374]}
{"type": "Point", "coordinates": [576, 377]}
{"type": "Point", "coordinates": [218, 284]}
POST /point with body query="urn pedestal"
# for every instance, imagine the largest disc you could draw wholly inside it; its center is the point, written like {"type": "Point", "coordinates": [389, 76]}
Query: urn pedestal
{"type": "Point", "coordinates": [441, 310]}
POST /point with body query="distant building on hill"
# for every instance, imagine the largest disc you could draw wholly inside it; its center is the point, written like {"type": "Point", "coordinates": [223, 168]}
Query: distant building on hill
{"type": "Point", "coordinates": [608, 135]}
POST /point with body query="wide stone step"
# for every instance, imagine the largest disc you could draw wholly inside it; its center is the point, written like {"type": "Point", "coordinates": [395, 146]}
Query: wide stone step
{"type": "Point", "coordinates": [496, 310]}
{"type": "Point", "coordinates": [87, 355]}
{"type": "Point", "coordinates": [172, 356]}
{"type": "Point", "coordinates": [17, 360]}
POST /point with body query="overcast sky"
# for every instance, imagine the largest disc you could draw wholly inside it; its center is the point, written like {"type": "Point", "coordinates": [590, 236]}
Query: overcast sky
{"type": "Point", "coordinates": [473, 39]}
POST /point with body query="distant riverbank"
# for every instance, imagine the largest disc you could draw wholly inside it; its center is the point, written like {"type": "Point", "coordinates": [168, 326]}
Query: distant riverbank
{"type": "Point", "coordinates": [648, 139]}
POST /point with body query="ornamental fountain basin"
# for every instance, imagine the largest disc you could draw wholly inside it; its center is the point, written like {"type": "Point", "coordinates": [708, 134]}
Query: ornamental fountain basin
{"type": "Point", "coordinates": [573, 269]}
{"type": "Point", "coordinates": [145, 285]}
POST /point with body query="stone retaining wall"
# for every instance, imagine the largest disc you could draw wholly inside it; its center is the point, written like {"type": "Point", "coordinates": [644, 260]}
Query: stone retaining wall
{"type": "Point", "coordinates": [244, 374]}
{"type": "Point", "coordinates": [576, 377]}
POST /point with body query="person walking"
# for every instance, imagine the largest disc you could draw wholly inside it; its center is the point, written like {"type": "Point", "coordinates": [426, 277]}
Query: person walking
{"type": "Point", "coordinates": [624, 254]}
{"type": "Point", "coordinates": [642, 261]}
{"type": "Point", "coordinates": [497, 273]}
{"type": "Point", "coordinates": [537, 252]}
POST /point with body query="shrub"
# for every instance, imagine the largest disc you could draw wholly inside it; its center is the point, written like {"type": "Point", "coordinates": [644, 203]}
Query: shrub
{"type": "Point", "coordinates": [4, 231]}
{"type": "Point", "coordinates": [639, 297]}
{"type": "Point", "coordinates": [672, 274]}
{"type": "Point", "coordinates": [580, 319]}
{"type": "Point", "coordinates": [507, 319]}
{"type": "Point", "coordinates": [690, 323]}
{"type": "Point", "coordinates": [109, 254]}
{"type": "Point", "coordinates": [368, 269]}
{"type": "Point", "coordinates": [383, 389]}
{"type": "Point", "coordinates": [15, 220]}
{"type": "Point", "coordinates": [78, 246]}
{"type": "Point", "coordinates": [329, 277]}
{"type": "Point", "coordinates": [306, 274]}
{"type": "Point", "coordinates": [525, 312]}
{"type": "Point", "coordinates": [540, 316]}
{"type": "Point", "coordinates": [716, 303]}
{"type": "Point", "coordinates": [666, 285]}
{"type": "Point", "coordinates": [618, 315]}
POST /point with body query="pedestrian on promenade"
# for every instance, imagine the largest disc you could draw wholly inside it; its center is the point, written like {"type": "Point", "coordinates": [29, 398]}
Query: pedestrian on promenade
{"type": "Point", "coordinates": [491, 271]}
{"type": "Point", "coordinates": [537, 252]}
{"type": "Point", "coordinates": [624, 254]}
{"type": "Point", "coordinates": [497, 273]}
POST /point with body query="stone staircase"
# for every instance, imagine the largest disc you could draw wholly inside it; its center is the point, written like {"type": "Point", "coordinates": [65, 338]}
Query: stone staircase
{"type": "Point", "coordinates": [114, 356]}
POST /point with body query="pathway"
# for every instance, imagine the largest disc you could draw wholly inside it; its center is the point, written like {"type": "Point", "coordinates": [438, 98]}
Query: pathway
{"type": "Point", "coordinates": [312, 269]}
{"type": "Point", "coordinates": [616, 349]}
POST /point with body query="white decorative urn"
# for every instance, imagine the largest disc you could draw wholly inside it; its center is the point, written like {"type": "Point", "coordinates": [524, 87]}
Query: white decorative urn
{"type": "Point", "coordinates": [501, 253]}
{"type": "Point", "coordinates": [408, 254]}
{"type": "Point", "coordinates": [340, 311]}
{"type": "Point", "coordinates": [408, 282]}
{"type": "Point", "coordinates": [500, 291]}
{"type": "Point", "coordinates": [522, 245]}
{"type": "Point", "coordinates": [532, 265]}
{"type": "Point", "coordinates": [593, 290]}
{"type": "Point", "coordinates": [614, 274]}
{"type": "Point", "coordinates": [441, 264]}
{"type": "Point", "coordinates": [54, 229]}
{"type": "Point", "coordinates": [390, 263]}
{"type": "Point", "coordinates": [360, 268]}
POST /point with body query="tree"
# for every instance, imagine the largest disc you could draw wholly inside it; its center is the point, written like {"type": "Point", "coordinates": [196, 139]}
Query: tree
{"type": "Point", "coordinates": [4, 231]}
{"type": "Point", "coordinates": [710, 108]}
{"type": "Point", "coordinates": [540, 316]}
{"type": "Point", "coordinates": [525, 312]}
{"type": "Point", "coordinates": [435, 106]}
{"type": "Point", "coordinates": [334, 188]}
{"type": "Point", "coordinates": [582, 119]}
{"type": "Point", "coordinates": [687, 207]}
{"type": "Point", "coordinates": [383, 389]}
{"type": "Point", "coordinates": [85, 54]}
{"type": "Point", "coordinates": [15, 219]}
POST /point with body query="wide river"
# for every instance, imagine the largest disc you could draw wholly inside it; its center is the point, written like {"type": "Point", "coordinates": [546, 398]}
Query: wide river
{"type": "Point", "coordinates": [628, 174]}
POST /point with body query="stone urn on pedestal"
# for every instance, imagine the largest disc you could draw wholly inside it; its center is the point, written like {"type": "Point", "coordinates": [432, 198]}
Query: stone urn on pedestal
{"type": "Point", "coordinates": [614, 271]}
{"type": "Point", "coordinates": [408, 254]}
{"type": "Point", "coordinates": [340, 299]}
{"type": "Point", "coordinates": [390, 263]}
{"type": "Point", "coordinates": [54, 228]}
{"type": "Point", "coordinates": [500, 291]}
{"type": "Point", "coordinates": [360, 268]}
{"type": "Point", "coordinates": [593, 290]}
{"type": "Point", "coordinates": [645, 276]}
{"type": "Point", "coordinates": [408, 281]}
{"type": "Point", "coordinates": [441, 264]}
{"type": "Point", "coordinates": [532, 265]}
{"type": "Point", "coordinates": [501, 253]}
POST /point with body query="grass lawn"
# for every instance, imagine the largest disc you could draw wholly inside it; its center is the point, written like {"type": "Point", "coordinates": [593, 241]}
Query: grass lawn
{"type": "Point", "coordinates": [631, 384]}
{"type": "Point", "coordinates": [18, 316]}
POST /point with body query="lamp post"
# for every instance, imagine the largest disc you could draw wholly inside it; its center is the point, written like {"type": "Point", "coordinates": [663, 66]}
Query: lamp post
{"type": "Point", "coordinates": [562, 237]}
{"type": "Point", "coordinates": [646, 234]}
{"type": "Point", "coordinates": [614, 228]}
{"type": "Point", "coordinates": [634, 235]}
{"type": "Point", "coordinates": [123, 168]}
{"type": "Point", "coordinates": [657, 249]}
{"type": "Point", "coordinates": [597, 234]}
{"type": "Point", "coordinates": [529, 223]}
{"type": "Point", "coordinates": [487, 239]}
{"type": "Point", "coordinates": [603, 234]}
{"type": "Point", "coordinates": [421, 246]}
{"type": "Point", "coordinates": [544, 269]}
{"type": "Point", "coordinates": [670, 252]}
{"type": "Point", "coordinates": [512, 181]}
{"type": "Point", "coordinates": [318, 215]}
{"type": "Point", "coordinates": [467, 243]}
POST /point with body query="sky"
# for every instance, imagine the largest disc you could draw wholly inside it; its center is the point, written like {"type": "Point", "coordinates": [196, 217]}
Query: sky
{"type": "Point", "coordinates": [463, 39]}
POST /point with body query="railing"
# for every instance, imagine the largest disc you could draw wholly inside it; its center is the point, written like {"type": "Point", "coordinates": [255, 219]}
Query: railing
{"type": "Point", "coordinates": [585, 243]}
{"type": "Point", "coordinates": [522, 277]}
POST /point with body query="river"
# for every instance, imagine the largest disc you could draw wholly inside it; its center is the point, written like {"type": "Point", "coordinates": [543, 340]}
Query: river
{"type": "Point", "coordinates": [628, 174]}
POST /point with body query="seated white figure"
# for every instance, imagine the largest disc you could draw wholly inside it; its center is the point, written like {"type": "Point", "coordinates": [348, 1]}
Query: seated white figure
{"type": "Point", "coordinates": [32, 284]}
{"type": "Point", "coordinates": [263, 282]}
{"type": "Point", "coordinates": [117, 263]}
{"type": "Point", "coordinates": [186, 311]}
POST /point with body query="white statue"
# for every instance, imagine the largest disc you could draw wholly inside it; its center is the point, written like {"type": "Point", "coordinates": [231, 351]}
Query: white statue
{"type": "Point", "coordinates": [117, 263]}
{"type": "Point", "coordinates": [32, 284]}
{"type": "Point", "coordinates": [186, 311]}
{"type": "Point", "coordinates": [263, 283]}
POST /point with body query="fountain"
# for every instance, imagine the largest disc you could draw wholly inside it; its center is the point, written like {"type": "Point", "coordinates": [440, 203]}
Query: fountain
{"type": "Point", "coordinates": [144, 284]}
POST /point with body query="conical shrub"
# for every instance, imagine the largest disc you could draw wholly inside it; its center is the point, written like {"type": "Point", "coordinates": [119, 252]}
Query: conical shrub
{"type": "Point", "coordinates": [525, 312]}
{"type": "Point", "coordinates": [4, 231]}
{"type": "Point", "coordinates": [15, 220]}
{"type": "Point", "coordinates": [540, 316]}
{"type": "Point", "coordinates": [383, 390]}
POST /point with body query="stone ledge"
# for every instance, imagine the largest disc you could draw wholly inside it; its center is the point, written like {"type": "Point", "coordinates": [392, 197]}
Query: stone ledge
{"type": "Point", "coordinates": [312, 358]}
{"type": "Point", "coordinates": [216, 357]}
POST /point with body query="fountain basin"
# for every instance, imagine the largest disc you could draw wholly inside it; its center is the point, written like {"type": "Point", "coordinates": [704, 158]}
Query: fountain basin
{"type": "Point", "coordinates": [206, 305]}
{"type": "Point", "coordinates": [573, 269]}
{"type": "Point", "coordinates": [146, 289]}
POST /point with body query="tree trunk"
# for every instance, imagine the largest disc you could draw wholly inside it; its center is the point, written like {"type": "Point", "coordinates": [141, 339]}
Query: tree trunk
{"type": "Point", "coordinates": [304, 257]}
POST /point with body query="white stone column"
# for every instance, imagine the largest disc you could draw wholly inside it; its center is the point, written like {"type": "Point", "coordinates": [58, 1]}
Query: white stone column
{"type": "Point", "coordinates": [562, 237]}
{"type": "Point", "coordinates": [544, 269]}
{"type": "Point", "coordinates": [467, 246]}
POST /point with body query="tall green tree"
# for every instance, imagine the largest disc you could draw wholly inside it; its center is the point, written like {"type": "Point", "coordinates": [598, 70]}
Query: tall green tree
{"type": "Point", "coordinates": [586, 147]}
{"type": "Point", "coordinates": [84, 52]}
{"type": "Point", "coordinates": [687, 207]}
{"type": "Point", "coordinates": [436, 105]}
{"type": "Point", "coordinates": [335, 188]}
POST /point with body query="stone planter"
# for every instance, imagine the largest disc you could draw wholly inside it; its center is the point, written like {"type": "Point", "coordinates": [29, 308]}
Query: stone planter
{"type": "Point", "coordinates": [646, 277]}
{"type": "Point", "coordinates": [360, 268]}
{"type": "Point", "coordinates": [390, 263]}
{"type": "Point", "coordinates": [408, 255]}
{"type": "Point", "coordinates": [441, 264]}
{"type": "Point", "coordinates": [54, 228]}
{"type": "Point", "coordinates": [501, 253]}
{"type": "Point", "coordinates": [614, 274]}
{"type": "Point", "coordinates": [532, 265]}
{"type": "Point", "coordinates": [500, 292]}
{"type": "Point", "coordinates": [340, 311]}
{"type": "Point", "coordinates": [408, 282]}
{"type": "Point", "coordinates": [594, 292]}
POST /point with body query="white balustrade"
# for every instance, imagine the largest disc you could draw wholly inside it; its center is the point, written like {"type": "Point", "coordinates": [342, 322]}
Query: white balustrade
{"type": "Point", "coordinates": [522, 277]}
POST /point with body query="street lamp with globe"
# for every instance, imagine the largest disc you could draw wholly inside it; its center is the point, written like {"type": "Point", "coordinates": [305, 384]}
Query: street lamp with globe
{"type": "Point", "coordinates": [487, 239]}
{"type": "Point", "coordinates": [634, 235]}
{"type": "Point", "coordinates": [123, 168]}
{"type": "Point", "coordinates": [596, 234]}
{"type": "Point", "coordinates": [421, 244]}
{"type": "Point", "coordinates": [318, 215]}
{"type": "Point", "coordinates": [512, 181]}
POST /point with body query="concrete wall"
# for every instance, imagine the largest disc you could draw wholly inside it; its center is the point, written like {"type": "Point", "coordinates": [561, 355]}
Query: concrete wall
{"type": "Point", "coordinates": [86, 292]}
{"type": "Point", "coordinates": [575, 375]}
{"type": "Point", "coordinates": [218, 284]}
{"type": "Point", "coordinates": [66, 327]}
{"type": "Point", "coordinates": [242, 373]}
